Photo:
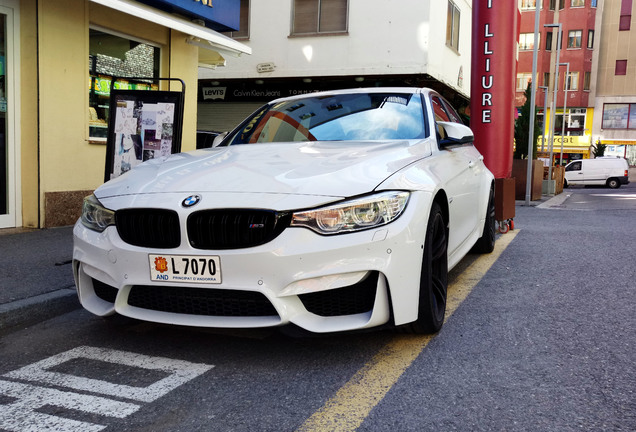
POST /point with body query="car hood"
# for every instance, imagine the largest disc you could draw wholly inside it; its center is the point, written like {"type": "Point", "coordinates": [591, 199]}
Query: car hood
{"type": "Point", "coordinates": [328, 168]}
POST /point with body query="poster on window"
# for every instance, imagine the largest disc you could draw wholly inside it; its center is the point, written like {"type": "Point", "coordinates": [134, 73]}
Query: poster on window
{"type": "Point", "coordinates": [143, 125]}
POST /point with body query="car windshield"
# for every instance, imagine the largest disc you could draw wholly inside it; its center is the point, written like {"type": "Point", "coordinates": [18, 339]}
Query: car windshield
{"type": "Point", "coordinates": [339, 117]}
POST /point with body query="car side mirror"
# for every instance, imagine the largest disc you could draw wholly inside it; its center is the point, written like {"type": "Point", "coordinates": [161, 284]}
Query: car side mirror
{"type": "Point", "coordinates": [218, 139]}
{"type": "Point", "coordinates": [455, 134]}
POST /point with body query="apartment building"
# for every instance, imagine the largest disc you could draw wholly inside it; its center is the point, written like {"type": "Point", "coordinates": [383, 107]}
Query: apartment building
{"type": "Point", "coordinates": [301, 46]}
{"type": "Point", "coordinates": [575, 55]}
{"type": "Point", "coordinates": [596, 89]}
{"type": "Point", "coordinates": [614, 94]}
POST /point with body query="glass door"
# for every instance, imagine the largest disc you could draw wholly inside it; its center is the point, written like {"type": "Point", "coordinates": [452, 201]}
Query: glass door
{"type": "Point", "coordinates": [8, 214]}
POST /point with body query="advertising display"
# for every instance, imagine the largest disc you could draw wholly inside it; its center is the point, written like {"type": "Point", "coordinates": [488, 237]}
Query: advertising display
{"type": "Point", "coordinates": [143, 125]}
{"type": "Point", "coordinates": [493, 82]}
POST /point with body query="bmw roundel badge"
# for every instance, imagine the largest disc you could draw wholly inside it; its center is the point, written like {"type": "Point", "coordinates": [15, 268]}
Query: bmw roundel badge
{"type": "Point", "coordinates": [191, 201]}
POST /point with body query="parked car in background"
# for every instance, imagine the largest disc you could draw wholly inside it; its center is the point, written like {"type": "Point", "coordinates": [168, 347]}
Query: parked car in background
{"type": "Point", "coordinates": [603, 171]}
{"type": "Point", "coordinates": [332, 211]}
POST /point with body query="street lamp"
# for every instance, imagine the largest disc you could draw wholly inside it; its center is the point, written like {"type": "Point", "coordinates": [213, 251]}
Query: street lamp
{"type": "Point", "coordinates": [566, 87]}
{"type": "Point", "coordinates": [532, 104]}
{"type": "Point", "coordinates": [545, 114]}
{"type": "Point", "coordinates": [552, 111]}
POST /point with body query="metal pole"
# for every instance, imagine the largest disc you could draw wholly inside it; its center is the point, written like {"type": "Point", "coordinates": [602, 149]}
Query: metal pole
{"type": "Point", "coordinates": [556, 83]}
{"type": "Point", "coordinates": [565, 104]}
{"type": "Point", "coordinates": [532, 104]}
{"type": "Point", "coordinates": [545, 114]}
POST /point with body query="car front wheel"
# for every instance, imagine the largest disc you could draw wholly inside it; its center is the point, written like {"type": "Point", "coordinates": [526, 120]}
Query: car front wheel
{"type": "Point", "coordinates": [434, 276]}
{"type": "Point", "coordinates": [486, 242]}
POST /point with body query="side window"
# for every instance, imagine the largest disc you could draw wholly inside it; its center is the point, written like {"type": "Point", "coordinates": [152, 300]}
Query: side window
{"type": "Point", "coordinates": [454, 117]}
{"type": "Point", "coordinates": [438, 109]}
{"type": "Point", "coordinates": [576, 166]}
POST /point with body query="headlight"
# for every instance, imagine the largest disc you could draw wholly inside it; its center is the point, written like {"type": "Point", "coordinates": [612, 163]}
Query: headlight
{"type": "Point", "coordinates": [354, 215]}
{"type": "Point", "coordinates": [95, 216]}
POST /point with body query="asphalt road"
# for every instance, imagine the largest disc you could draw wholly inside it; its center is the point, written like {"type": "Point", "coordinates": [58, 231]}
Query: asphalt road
{"type": "Point", "coordinates": [541, 338]}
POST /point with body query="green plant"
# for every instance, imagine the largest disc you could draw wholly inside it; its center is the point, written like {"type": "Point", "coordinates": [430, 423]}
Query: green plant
{"type": "Point", "coordinates": [598, 150]}
{"type": "Point", "coordinates": [522, 129]}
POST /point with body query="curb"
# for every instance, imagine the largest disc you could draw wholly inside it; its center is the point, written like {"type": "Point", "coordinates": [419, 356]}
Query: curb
{"type": "Point", "coordinates": [38, 308]}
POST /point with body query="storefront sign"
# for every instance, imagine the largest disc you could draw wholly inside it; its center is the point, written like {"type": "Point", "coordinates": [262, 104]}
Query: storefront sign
{"type": "Point", "coordinates": [493, 82]}
{"type": "Point", "coordinates": [214, 93]}
{"type": "Point", "coordinates": [242, 93]}
{"type": "Point", "coordinates": [220, 15]}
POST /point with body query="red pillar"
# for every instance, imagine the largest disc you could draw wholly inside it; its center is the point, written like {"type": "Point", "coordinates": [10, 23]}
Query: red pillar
{"type": "Point", "coordinates": [494, 49]}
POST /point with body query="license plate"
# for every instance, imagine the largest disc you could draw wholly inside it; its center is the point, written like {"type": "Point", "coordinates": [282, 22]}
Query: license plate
{"type": "Point", "coordinates": [185, 268]}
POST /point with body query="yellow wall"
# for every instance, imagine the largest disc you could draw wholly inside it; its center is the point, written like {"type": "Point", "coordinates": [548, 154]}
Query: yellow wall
{"type": "Point", "coordinates": [28, 114]}
{"type": "Point", "coordinates": [60, 44]}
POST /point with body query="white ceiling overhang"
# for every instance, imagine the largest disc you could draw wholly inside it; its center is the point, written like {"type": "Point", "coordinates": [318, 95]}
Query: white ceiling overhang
{"type": "Point", "coordinates": [199, 35]}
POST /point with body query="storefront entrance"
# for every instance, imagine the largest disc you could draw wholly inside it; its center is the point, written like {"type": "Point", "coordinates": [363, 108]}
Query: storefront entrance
{"type": "Point", "coordinates": [8, 175]}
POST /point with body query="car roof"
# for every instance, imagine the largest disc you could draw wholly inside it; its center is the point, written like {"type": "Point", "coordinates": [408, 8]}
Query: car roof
{"type": "Point", "coordinates": [362, 90]}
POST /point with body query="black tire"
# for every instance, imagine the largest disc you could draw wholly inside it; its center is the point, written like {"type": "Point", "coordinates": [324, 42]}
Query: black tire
{"type": "Point", "coordinates": [565, 184]}
{"type": "Point", "coordinates": [433, 276]}
{"type": "Point", "coordinates": [486, 243]}
{"type": "Point", "coordinates": [613, 183]}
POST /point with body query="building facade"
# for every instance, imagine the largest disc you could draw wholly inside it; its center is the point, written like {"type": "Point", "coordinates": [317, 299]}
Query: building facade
{"type": "Point", "coordinates": [596, 86]}
{"type": "Point", "coordinates": [574, 113]}
{"type": "Point", "coordinates": [615, 92]}
{"type": "Point", "coordinates": [303, 46]}
{"type": "Point", "coordinates": [58, 60]}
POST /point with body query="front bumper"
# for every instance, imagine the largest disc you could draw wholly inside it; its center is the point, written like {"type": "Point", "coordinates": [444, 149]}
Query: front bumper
{"type": "Point", "coordinates": [319, 283]}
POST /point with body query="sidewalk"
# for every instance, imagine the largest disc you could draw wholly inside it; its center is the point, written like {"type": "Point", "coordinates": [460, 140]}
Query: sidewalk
{"type": "Point", "coordinates": [36, 279]}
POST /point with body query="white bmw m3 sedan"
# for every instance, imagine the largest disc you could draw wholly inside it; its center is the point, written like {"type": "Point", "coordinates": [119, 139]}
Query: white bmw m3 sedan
{"type": "Point", "coordinates": [332, 211]}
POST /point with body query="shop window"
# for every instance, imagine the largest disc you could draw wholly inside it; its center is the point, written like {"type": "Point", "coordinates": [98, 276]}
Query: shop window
{"type": "Point", "coordinates": [625, 22]}
{"type": "Point", "coordinates": [548, 40]}
{"type": "Point", "coordinates": [320, 16]}
{"type": "Point", "coordinates": [577, 3]}
{"type": "Point", "coordinates": [523, 79]}
{"type": "Point", "coordinates": [115, 56]}
{"type": "Point", "coordinates": [590, 39]}
{"type": "Point", "coordinates": [587, 80]}
{"type": "Point", "coordinates": [619, 116]}
{"type": "Point", "coordinates": [621, 67]}
{"type": "Point", "coordinates": [574, 122]}
{"type": "Point", "coordinates": [244, 23]}
{"type": "Point", "coordinates": [452, 26]}
{"type": "Point", "coordinates": [526, 41]}
{"type": "Point", "coordinates": [574, 38]}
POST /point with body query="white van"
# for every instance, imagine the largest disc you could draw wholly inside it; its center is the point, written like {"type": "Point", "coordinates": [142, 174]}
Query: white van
{"type": "Point", "coordinates": [607, 170]}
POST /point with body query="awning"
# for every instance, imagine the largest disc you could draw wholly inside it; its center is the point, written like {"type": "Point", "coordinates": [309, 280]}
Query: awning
{"type": "Point", "coordinates": [201, 36]}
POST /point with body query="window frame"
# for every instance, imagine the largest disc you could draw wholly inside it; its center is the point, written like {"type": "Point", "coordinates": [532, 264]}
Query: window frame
{"type": "Point", "coordinates": [526, 41]}
{"type": "Point", "coordinates": [527, 5]}
{"type": "Point", "coordinates": [625, 20]}
{"type": "Point", "coordinates": [522, 77]}
{"type": "Point", "coordinates": [318, 21]}
{"type": "Point", "coordinates": [575, 39]}
{"type": "Point", "coordinates": [453, 24]}
{"type": "Point", "coordinates": [245, 17]}
{"type": "Point", "coordinates": [587, 81]}
{"type": "Point", "coordinates": [572, 81]}
{"type": "Point", "coordinates": [94, 73]}
{"type": "Point", "coordinates": [621, 68]}
{"type": "Point", "coordinates": [630, 114]}
{"type": "Point", "coordinates": [590, 39]}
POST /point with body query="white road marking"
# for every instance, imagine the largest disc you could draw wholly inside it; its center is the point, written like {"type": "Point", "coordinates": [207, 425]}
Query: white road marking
{"type": "Point", "coordinates": [180, 372]}
{"type": "Point", "coordinates": [21, 414]}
